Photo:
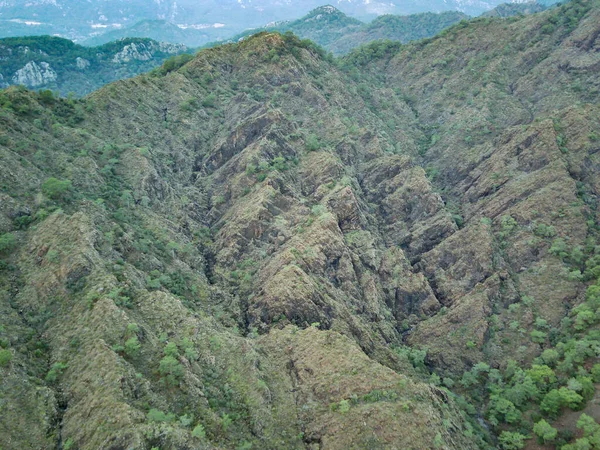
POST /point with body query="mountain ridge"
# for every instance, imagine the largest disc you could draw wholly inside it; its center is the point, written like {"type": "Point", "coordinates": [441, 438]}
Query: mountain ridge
{"type": "Point", "coordinates": [266, 246]}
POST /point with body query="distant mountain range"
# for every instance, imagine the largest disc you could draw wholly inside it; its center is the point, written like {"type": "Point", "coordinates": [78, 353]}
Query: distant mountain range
{"type": "Point", "coordinates": [204, 21]}
{"type": "Point", "coordinates": [58, 64]}
{"type": "Point", "coordinates": [338, 33]}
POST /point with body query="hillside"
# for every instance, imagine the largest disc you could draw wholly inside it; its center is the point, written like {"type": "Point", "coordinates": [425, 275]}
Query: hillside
{"type": "Point", "coordinates": [265, 247]}
{"type": "Point", "coordinates": [44, 62]}
{"type": "Point", "coordinates": [338, 33]}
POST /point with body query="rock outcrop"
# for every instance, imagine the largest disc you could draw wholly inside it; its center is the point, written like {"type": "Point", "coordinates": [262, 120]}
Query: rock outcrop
{"type": "Point", "coordinates": [34, 75]}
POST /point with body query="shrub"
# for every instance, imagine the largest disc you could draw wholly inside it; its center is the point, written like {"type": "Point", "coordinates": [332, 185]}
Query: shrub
{"type": "Point", "coordinates": [511, 441]}
{"type": "Point", "coordinates": [56, 371]}
{"type": "Point", "coordinates": [171, 370]}
{"type": "Point", "coordinates": [312, 143]}
{"type": "Point", "coordinates": [209, 101]}
{"type": "Point", "coordinates": [56, 189]}
{"type": "Point", "coordinates": [6, 357]}
{"type": "Point", "coordinates": [199, 432]}
{"type": "Point", "coordinates": [344, 406]}
{"type": "Point", "coordinates": [8, 242]}
{"type": "Point", "coordinates": [537, 336]}
{"type": "Point", "coordinates": [156, 415]}
{"type": "Point", "coordinates": [132, 346]}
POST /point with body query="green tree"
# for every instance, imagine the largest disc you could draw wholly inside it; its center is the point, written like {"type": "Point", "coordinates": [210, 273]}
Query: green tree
{"type": "Point", "coordinates": [502, 409]}
{"type": "Point", "coordinates": [570, 398]}
{"type": "Point", "coordinates": [156, 415]}
{"type": "Point", "coordinates": [56, 371]}
{"type": "Point", "coordinates": [545, 432]}
{"type": "Point", "coordinates": [8, 242]}
{"type": "Point", "coordinates": [511, 441]}
{"type": "Point", "coordinates": [6, 357]}
{"type": "Point", "coordinates": [542, 375]}
{"type": "Point", "coordinates": [132, 346]}
{"type": "Point", "coordinates": [199, 432]}
{"type": "Point", "coordinates": [209, 101]}
{"type": "Point", "coordinates": [170, 370]}
{"type": "Point", "coordinates": [551, 403]}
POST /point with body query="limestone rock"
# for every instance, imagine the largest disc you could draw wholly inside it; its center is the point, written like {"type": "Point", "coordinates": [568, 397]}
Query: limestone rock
{"type": "Point", "coordinates": [35, 75]}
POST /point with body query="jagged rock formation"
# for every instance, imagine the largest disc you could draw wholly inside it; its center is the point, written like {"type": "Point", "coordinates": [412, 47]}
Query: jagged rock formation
{"type": "Point", "coordinates": [235, 252]}
{"type": "Point", "coordinates": [34, 75]}
{"type": "Point", "coordinates": [146, 51]}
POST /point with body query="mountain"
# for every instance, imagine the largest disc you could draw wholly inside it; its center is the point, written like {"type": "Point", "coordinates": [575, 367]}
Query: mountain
{"type": "Point", "coordinates": [163, 31]}
{"type": "Point", "coordinates": [513, 9]}
{"type": "Point", "coordinates": [338, 33]}
{"type": "Point", "coordinates": [44, 62]}
{"type": "Point", "coordinates": [267, 247]}
{"type": "Point", "coordinates": [397, 28]}
{"type": "Point", "coordinates": [77, 20]}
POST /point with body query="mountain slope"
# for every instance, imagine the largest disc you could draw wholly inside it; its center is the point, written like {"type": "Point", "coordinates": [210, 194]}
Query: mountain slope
{"type": "Point", "coordinates": [268, 247]}
{"type": "Point", "coordinates": [397, 28]}
{"type": "Point", "coordinates": [59, 64]}
{"type": "Point", "coordinates": [338, 33]}
{"type": "Point", "coordinates": [166, 322]}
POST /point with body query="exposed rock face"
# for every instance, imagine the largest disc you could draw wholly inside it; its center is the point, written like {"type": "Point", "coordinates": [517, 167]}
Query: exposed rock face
{"type": "Point", "coordinates": [81, 63]}
{"type": "Point", "coordinates": [145, 51]}
{"type": "Point", "coordinates": [35, 75]}
{"type": "Point", "coordinates": [3, 83]}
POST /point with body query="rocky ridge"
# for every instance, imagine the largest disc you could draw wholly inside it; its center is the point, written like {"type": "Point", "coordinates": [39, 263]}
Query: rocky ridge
{"type": "Point", "coordinates": [268, 247]}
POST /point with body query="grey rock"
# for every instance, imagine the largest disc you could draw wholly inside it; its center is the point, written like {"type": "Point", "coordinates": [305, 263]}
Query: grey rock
{"type": "Point", "coordinates": [34, 74]}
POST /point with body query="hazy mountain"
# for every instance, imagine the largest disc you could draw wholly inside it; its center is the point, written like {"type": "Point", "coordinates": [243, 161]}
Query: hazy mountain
{"type": "Point", "coordinates": [79, 20]}
{"type": "Point", "coordinates": [163, 31]}
{"type": "Point", "coordinates": [338, 33]}
{"type": "Point", "coordinates": [513, 9]}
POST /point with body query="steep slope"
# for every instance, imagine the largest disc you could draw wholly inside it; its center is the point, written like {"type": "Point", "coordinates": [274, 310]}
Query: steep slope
{"type": "Point", "coordinates": [235, 252]}
{"type": "Point", "coordinates": [58, 64]}
{"type": "Point", "coordinates": [142, 294]}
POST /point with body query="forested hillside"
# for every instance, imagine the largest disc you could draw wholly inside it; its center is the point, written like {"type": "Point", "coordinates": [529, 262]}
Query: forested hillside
{"type": "Point", "coordinates": [45, 62]}
{"type": "Point", "coordinates": [266, 247]}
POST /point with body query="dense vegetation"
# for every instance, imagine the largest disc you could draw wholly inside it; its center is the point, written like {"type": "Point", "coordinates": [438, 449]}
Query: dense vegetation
{"type": "Point", "coordinates": [263, 246]}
